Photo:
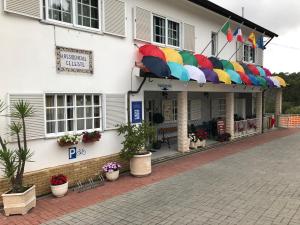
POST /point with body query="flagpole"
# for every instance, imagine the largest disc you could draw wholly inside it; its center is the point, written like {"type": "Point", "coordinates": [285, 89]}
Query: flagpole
{"type": "Point", "coordinates": [217, 33]}
{"type": "Point", "coordinates": [241, 24]}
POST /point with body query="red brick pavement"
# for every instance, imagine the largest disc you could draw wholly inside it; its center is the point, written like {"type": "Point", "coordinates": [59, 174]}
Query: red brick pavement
{"type": "Point", "coordinates": [49, 208]}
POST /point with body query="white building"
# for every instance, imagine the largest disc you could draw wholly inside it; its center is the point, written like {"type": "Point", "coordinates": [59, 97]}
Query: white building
{"type": "Point", "coordinates": [38, 37]}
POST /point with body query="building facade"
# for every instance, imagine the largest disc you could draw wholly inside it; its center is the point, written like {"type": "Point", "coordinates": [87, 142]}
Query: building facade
{"type": "Point", "coordinates": [74, 61]}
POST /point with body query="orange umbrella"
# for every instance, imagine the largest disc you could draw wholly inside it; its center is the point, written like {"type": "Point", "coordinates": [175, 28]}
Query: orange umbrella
{"type": "Point", "coordinates": [237, 67]}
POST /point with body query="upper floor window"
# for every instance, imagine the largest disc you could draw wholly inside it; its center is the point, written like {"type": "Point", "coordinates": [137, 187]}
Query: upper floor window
{"type": "Point", "coordinates": [214, 43]}
{"type": "Point", "coordinates": [77, 12]}
{"type": "Point", "coordinates": [249, 53]}
{"type": "Point", "coordinates": [166, 31]}
{"type": "Point", "coordinates": [73, 113]}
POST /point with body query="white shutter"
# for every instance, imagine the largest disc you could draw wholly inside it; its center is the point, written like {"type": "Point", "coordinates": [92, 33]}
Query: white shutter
{"type": "Point", "coordinates": [115, 106]}
{"type": "Point", "coordinates": [259, 56]}
{"type": "Point", "coordinates": [188, 37]}
{"type": "Point", "coordinates": [114, 17]}
{"type": "Point", "coordinates": [30, 8]}
{"type": "Point", "coordinates": [195, 109]}
{"type": "Point", "coordinates": [35, 125]}
{"type": "Point", "coordinates": [240, 51]}
{"type": "Point", "coordinates": [142, 24]}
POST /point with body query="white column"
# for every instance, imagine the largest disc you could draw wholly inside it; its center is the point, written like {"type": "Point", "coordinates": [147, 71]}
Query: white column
{"type": "Point", "coordinates": [278, 102]}
{"type": "Point", "coordinates": [230, 114]}
{"type": "Point", "coordinates": [182, 122]}
{"type": "Point", "coordinates": [259, 111]}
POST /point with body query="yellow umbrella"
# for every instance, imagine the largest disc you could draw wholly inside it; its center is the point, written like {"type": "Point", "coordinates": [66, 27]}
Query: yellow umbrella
{"type": "Point", "coordinates": [172, 55]}
{"type": "Point", "coordinates": [237, 67]}
{"type": "Point", "coordinates": [281, 81]}
{"type": "Point", "coordinates": [223, 76]}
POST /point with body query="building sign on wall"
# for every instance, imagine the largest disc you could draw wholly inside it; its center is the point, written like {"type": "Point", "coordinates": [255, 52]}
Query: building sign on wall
{"type": "Point", "coordinates": [74, 152]}
{"type": "Point", "coordinates": [136, 113]}
{"type": "Point", "coordinates": [74, 60]}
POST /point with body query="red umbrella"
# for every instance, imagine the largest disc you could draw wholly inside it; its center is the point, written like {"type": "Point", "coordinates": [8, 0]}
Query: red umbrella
{"type": "Point", "coordinates": [152, 50]}
{"type": "Point", "coordinates": [204, 62]}
{"type": "Point", "coordinates": [245, 78]}
{"type": "Point", "coordinates": [267, 71]}
{"type": "Point", "coordinates": [253, 69]}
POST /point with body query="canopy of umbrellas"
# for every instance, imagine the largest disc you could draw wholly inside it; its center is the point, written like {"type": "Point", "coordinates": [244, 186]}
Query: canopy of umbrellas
{"type": "Point", "coordinates": [185, 66]}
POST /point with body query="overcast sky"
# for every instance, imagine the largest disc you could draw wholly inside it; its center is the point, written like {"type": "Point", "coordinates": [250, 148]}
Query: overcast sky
{"type": "Point", "coordinates": [281, 17]}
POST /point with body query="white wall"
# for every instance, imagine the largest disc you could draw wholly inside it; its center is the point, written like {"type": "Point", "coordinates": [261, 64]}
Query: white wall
{"type": "Point", "coordinates": [28, 66]}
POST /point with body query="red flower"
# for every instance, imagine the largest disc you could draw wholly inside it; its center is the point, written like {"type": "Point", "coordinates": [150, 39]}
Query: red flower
{"type": "Point", "coordinates": [58, 179]}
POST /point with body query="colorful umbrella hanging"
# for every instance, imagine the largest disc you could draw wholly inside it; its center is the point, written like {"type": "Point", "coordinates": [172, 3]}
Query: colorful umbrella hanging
{"type": "Point", "coordinates": [204, 62]}
{"type": "Point", "coordinates": [216, 63]}
{"type": "Point", "coordinates": [156, 66]}
{"type": "Point", "coordinates": [253, 79]}
{"type": "Point", "coordinates": [179, 71]}
{"type": "Point", "coordinates": [223, 76]}
{"type": "Point", "coordinates": [245, 67]}
{"type": "Point", "coordinates": [227, 64]}
{"type": "Point", "coordinates": [172, 55]}
{"type": "Point", "coordinates": [269, 82]}
{"type": "Point", "coordinates": [262, 73]}
{"type": "Point", "coordinates": [152, 50]}
{"type": "Point", "coordinates": [267, 71]}
{"type": "Point", "coordinates": [246, 80]}
{"type": "Point", "coordinates": [262, 81]}
{"type": "Point", "coordinates": [237, 67]}
{"type": "Point", "coordinates": [281, 81]}
{"type": "Point", "coordinates": [234, 76]}
{"type": "Point", "coordinates": [211, 76]}
{"type": "Point", "coordinates": [253, 69]}
{"type": "Point", "coordinates": [188, 58]}
{"type": "Point", "coordinates": [195, 74]}
{"type": "Point", "coordinates": [275, 81]}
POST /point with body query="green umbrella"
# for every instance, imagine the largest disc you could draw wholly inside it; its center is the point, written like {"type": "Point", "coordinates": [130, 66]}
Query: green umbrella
{"type": "Point", "coordinates": [227, 65]}
{"type": "Point", "coordinates": [262, 81]}
{"type": "Point", "coordinates": [188, 58]}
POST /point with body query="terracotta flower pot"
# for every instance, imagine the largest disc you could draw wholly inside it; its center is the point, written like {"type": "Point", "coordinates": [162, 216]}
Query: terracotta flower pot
{"type": "Point", "coordinates": [19, 203]}
{"type": "Point", "coordinates": [112, 176]}
{"type": "Point", "coordinates": [60, 190]}
{"type": "Point", "coordinates": [140, 165]}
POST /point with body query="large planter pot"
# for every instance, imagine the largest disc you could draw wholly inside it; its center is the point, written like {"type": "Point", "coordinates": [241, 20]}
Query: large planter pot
{"type": "Point", "coordinates": [112, 176]}
{"type": "Point", "coordinates": [60, 190]}
{"type": "Point", "coordinates": [19, 203]}
{"type": "Point", "coordinates": [140, 165]}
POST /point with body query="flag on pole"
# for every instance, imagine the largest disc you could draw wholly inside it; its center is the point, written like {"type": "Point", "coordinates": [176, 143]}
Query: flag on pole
{"type": "Point", "coordinates": [252, 39]}
{"type": "Point", "coordinates": [227, 31]}
{"type": "Point", "coordinates": [260, 42]}
{"type": "Point", "coordinates": [238, 34]}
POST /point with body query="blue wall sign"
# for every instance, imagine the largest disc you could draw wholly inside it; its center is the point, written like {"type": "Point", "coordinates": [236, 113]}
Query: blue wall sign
{"type": "Point", "coordinates": [74, 152]}
{"type": "Point", "coordinates": [136, 113]}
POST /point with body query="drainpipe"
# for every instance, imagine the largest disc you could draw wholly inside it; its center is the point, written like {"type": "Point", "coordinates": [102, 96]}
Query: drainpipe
{"type": "Point", "coordinates": [129, 93]}
{"type": "Point", "coordinates": [262, 110]}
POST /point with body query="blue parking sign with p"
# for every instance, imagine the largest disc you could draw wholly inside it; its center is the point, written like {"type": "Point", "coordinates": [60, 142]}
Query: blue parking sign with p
{"type": "Point", "coordinates": [72, 153]}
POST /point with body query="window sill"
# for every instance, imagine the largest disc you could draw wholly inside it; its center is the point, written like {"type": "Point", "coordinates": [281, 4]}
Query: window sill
{"type": "Point", "coordinates": [55, 136]}
{"type": "Point", "coordinates": [83, 29]}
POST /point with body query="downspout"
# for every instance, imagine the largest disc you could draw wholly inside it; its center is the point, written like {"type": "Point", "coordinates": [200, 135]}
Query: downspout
{"type": "Point", "coordinates": [129, 93]}
{"type": "Point", "coordinates": [262, 111]}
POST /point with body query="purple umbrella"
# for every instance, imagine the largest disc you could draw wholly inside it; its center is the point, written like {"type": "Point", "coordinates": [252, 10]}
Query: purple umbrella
{"type": "Point", "coordinates": [269, 82]}
{"type": "Point", "coordinates": [211, 76]}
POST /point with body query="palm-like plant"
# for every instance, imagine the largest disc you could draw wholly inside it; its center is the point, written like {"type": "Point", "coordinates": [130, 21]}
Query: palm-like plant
{"type": "Point", "coordinates": [13, 161]}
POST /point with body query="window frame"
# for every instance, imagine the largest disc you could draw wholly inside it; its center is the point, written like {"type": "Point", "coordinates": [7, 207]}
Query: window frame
{"type": "Point", "coordinates": [221, 102]}
{"type": "Point", "coordinates": [167, 19]}
{"type": "Point", "coordinates": [75, 118]}
{"type": "Point", "coordinates": [74, 14]}
{"type": "Point", "coordinates": [249, 46]}
{"type": "Point", "coordinates": [216, 43]}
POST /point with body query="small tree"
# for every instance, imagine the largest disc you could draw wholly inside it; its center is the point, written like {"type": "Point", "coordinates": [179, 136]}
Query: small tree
{"type": "Point", "coordinates": [13, 161]}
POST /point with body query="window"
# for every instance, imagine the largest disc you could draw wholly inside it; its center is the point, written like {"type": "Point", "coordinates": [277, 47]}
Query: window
{"type": "Point", "coordinates": [249, 53]}
{"type": "Point", "coordinates": [221, 107]}
{"type": "Point", "coordinates": [166, 31]}
{"type": "Point", "coordinates": [169, 109]}
{"type": "Point", "coordinates": [83, 13]}
{"type": "Point", "coordinates": [73, 113]}
{"type": "Point", "coordinates": [214, 43]}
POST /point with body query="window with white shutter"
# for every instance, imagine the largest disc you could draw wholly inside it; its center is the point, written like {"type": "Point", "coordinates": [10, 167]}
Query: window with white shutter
{"type": "Point", "coordinates": [142, 24]}
{"type": "Point", "coordinates": [115, 107]}
{"type": "Point", "coordinates": [195, 108]}
{"type": "Point", "coordinates": [29, 8]}
{"type": "Point", "coordinates": [35, 125]}
{"type": "Point", "coordinates": [188, 37]}
{"type": "Point", "coordinates": [114, 17]}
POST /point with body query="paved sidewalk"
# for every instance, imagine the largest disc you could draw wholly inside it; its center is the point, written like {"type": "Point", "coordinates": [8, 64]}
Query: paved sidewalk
{"type": "Point", "coordinates": [258, 186]}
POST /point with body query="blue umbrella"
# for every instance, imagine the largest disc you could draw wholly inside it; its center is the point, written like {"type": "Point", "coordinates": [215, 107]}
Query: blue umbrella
{"type": "Point", "coordinates": [261, 71]}
{"type": "Point", "coordinates": [253, 79]}
{"type": "Point", "coordinates": [179, 71]}
{"type": "Point", "coordinates": [234, 76]}
{"type": "Point", "coordinates": [156, 66]}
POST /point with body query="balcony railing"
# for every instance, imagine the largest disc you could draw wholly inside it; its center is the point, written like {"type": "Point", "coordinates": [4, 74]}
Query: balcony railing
{"type": "Point", "coordinates": [289, 120]}
{"type": "Point", "coordinates": [245, 127]}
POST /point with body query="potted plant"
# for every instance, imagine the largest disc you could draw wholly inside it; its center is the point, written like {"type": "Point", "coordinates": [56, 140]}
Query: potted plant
{"type": "Point", "coordinates": [88, 137]}
{"type": "Point", "coordinates": [224, 137]}
{"type": "Point", "coordinates": [68, 140]}
{"type": "Point", "coordinates": [158, 118]}
{"type": "Point", "coordinates": [136, 138]}
{"type": "Point", "coordinates": [59, 185]}
{"type": "Point", "coordinates": [21, 198]}
{"type": "Point", "coordinates": [111, 170]}
{"type": "Point", "coordinates": [193, 140]}
{"type": "Point", "coordinates": [201, 138]}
